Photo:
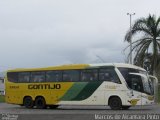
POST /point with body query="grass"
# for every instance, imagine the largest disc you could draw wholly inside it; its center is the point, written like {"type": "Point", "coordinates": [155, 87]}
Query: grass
{"type": "Point", "coordinates": [1, 98]}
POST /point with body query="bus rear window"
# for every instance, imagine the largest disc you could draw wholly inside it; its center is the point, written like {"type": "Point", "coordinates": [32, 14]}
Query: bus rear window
{"type": "Point", "coordinates": [12, 76]}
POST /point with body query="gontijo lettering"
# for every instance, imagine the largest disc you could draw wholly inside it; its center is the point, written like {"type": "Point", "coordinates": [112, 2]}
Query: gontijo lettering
{"type": "Point", "coordinates": [44, 86]}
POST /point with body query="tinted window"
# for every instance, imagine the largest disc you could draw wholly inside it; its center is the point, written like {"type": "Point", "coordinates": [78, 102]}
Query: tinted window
{"type": "Point", "coordinates": [108, 74]}
{"type": "Point", "coordinates": [89, 75]}
{"type": "Point", "coordinates": [24, 77]}
{"type": "Point", "coordinates": [12, 76]}
{"type": "Point", "coordinates": [38, 76]}
{"type": "Point", "coordinates": [133, 81]}
{"type": "Point", "coordinates": [53, 76]}
{"type": "Point", "coordinates": [71, 75]}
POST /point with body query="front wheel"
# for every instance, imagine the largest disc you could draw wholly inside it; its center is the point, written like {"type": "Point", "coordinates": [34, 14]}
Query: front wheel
{"type": "Point", "coordinates": [115, 103]}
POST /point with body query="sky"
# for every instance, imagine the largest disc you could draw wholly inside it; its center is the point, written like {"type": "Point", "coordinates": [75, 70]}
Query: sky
{"type": "Point", "coordinates": [41, 33]}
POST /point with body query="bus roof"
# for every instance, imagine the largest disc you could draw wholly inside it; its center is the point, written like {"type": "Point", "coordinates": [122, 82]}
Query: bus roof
{"type": "Point", "coordinates": [119, 65]}
{"type": "Point", "coordinates": [77, 66]}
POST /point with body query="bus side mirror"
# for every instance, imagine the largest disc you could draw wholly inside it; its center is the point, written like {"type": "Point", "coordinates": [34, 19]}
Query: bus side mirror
{"type": "Point", "coordinates": [154, 81]}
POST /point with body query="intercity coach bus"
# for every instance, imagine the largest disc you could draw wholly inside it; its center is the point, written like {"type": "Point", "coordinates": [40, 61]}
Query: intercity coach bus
{"type": "Point", "coordinates": [118, 85]}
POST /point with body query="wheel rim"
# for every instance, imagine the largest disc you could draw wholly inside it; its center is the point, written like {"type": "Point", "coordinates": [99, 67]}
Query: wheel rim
{"type": "Point", "coordinates": [115, 103]}
{"type": "Point", "coordinates": [40, 103]}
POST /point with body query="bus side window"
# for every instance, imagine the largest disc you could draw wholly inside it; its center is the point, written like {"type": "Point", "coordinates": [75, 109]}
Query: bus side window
{"type": "Point", "coordinates": [104, 75]}
{"type": "Point", "coordinates": [71, 75]}
{"type": "Point", "coordinates": [89, 75]}
{"type": "Point", "coordinates": [53, 76]}
{"type": "Point", "coordinates": [108, 74]}
{"type": "Point", "coordinates": [38, 76]}
{"type": "Point", "coordinates": [12, 76]}
{"type": "Point", "coordinates": [24, 77]}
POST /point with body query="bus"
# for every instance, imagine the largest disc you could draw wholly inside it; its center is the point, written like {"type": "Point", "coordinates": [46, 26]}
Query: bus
{"type": "Point", "coordinates": [117, 85]}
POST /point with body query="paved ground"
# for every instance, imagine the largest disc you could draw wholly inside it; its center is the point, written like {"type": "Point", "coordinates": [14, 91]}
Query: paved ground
{"type": "Point", "coordinates": [77, 112]}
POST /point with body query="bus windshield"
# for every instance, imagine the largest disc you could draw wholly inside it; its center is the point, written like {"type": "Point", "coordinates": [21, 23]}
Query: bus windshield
{"type": "Point", "coordinates": [135, 81]}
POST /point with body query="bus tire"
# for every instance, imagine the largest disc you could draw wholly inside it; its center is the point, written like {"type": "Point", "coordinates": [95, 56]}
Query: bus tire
{"type": "Point", "coordinates": [125, 107]}
{"type": "Point", "coordinates": [115, 103]}
{"type": "Point", "coordinates": [40, 103]}
{"type": "Point", "coordinates": [28, 102]}
{"type": "Point", "coordinates": [53, 106]}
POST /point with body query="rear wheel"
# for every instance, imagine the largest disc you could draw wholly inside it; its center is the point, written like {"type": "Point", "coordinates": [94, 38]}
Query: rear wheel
{"type": "Point", "coordinates": [115, 103]}
{"type": "Point", "coordinates": [40, 103]}
{"type": "Point", "coordinates": [28, 102]}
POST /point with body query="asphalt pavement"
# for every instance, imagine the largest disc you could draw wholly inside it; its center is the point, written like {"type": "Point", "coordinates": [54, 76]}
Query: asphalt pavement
{"type": "Point", "coordinates": [16, 112]}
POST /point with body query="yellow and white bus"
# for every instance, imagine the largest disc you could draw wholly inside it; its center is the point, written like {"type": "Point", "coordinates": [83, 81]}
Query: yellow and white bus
{"type": "Point", "coordinates": [118, 85]}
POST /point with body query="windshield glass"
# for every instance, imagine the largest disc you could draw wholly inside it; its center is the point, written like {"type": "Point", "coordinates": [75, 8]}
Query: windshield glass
{"type": "Point", "coordinates": [151, 81]}
{"type": "Point", "coordinates": [146, 85]}
{"type": "Point", "coordinates": [136, 82]}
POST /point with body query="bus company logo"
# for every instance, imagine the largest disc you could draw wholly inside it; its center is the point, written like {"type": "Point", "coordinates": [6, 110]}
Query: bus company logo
{"type": "Point", "coordinates": [133, 101]}
{"type": "Point", "coordinates": [9, 117]}
{"type": "Point", "coordinates": [44, 86]}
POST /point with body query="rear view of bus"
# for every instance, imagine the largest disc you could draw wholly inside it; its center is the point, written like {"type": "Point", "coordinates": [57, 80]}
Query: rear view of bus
{"type": "Point", "coordinates": [118, 85]}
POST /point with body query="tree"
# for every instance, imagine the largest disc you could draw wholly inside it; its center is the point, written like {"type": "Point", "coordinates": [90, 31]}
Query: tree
{"type": "Point", "coordinates": [148, 39]}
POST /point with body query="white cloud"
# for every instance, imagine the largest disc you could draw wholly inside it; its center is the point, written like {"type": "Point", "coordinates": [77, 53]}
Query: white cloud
{"type": "Point", "coordinates": [37, 33]}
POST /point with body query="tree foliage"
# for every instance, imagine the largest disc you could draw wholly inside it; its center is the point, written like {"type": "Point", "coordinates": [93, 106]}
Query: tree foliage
{"type": "Point", "coordinates": [149, 31]}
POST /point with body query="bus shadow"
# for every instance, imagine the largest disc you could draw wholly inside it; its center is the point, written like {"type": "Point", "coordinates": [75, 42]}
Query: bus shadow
{"type": "Point", "coordinates": [84, 108]}
{"type": "Point", "coordinates": [92, 109]}
{"type": "Point", "coordinates": [137, 108]}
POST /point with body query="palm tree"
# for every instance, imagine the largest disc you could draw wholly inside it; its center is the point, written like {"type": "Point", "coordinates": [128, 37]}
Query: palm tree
{"type": "Point", "coordinates": [148, 31]}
